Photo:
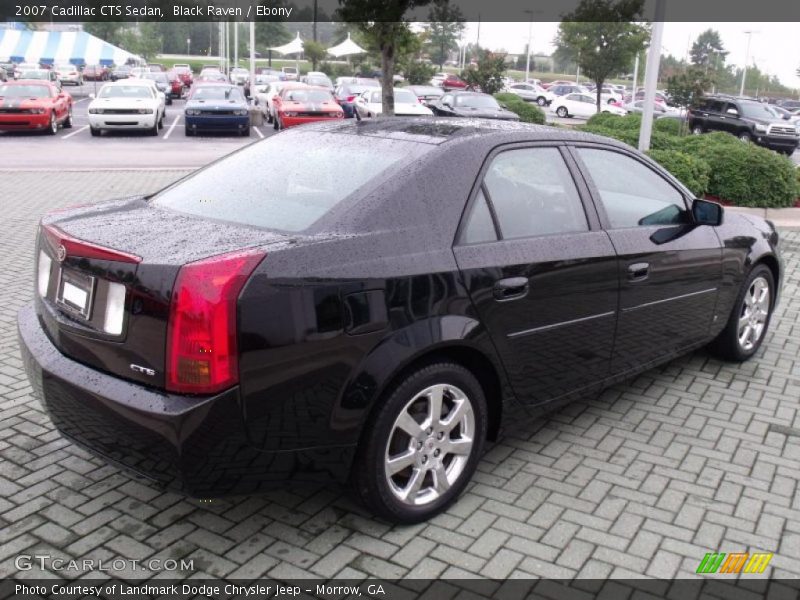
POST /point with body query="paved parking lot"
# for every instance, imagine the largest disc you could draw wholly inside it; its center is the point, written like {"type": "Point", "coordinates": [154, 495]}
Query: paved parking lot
{"type": "Point", "coordinates": [697, 456]}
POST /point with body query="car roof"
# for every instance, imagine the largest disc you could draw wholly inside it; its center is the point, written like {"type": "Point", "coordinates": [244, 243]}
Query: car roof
{"type": "Point", "coordinates": [446, 130]}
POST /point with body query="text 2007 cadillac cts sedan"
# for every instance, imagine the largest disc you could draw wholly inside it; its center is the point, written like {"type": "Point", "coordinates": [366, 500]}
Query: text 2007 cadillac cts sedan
{"type": "Point", "coordinates": [375, 320]}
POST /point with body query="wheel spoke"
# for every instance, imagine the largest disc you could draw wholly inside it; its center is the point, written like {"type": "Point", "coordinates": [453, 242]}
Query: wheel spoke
{"type": "Point", "coordinates": [455, 415]}
{"type": "Point", "coordinates": [407, 423]}
{"type": "Point", "coordinates": [461, 446]}
{"type": "Point", "coordinates": [400, 462]}
{"type": "Point", "coordinates": [744, 336]}
{"type": "Point", "coordinates": [435, 397]}
{"type": "Point", "coordinates": [411, 490]}
{"type": "Point", "coordinates": [440, 483]}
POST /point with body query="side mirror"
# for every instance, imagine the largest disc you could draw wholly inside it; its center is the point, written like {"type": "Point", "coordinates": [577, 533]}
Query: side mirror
{"type": "Point", "coordinates": [707, 213]}
{"type": "Point", "coordinates": [732, 111]}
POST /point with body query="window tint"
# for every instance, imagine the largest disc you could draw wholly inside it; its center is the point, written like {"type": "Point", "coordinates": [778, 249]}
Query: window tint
{"type": "Point", "coordinates": [304, 182]}
{"type": "Point", "coordinates": [632, 193]}
{"type": "Point", "coordinates": [533, 193]}
{"type": "Point", "coordinates": [480, 227]}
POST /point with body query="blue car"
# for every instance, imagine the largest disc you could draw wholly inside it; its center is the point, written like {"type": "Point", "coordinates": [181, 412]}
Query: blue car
{"type": "Point", "coordinates": [217, 107]}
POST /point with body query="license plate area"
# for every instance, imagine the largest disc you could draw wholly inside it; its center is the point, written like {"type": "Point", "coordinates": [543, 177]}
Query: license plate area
{"type": "Point", "coordinates": [76, 293]}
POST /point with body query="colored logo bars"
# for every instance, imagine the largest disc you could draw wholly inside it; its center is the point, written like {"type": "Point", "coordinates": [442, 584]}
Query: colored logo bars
{"type": "Point", "coordinates": [743, 562]}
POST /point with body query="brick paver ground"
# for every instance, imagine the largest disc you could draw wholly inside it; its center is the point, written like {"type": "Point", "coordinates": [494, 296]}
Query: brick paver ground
{"type": "Point", "coordinates": [696, 456]}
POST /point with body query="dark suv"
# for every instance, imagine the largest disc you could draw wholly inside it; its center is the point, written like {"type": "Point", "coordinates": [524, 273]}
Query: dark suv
{"type": "Point", "coordinates": [749, 120]}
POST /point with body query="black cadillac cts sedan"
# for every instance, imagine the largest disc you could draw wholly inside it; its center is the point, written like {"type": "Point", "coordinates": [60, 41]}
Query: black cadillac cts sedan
{"type": "Point", "coordinates": [370, 302]}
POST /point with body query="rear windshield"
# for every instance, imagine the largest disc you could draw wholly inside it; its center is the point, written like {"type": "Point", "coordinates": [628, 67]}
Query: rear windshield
{"type": "Point", "coordinates": [289, 181]}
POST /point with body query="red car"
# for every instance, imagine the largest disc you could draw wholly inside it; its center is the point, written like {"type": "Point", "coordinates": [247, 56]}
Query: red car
{"type": "Point", "coordinates": [453, 82]}
{"type": "Point", "coordinates": [34, 104]}
{"type": "Point", "coordinates": [177, 86]}
{"type": "Point", "coordinates": [298, 105]}
{"type": "Point", "coordinates": [185, 73]}
{"type": "Point", "coordinates": [96, 73]}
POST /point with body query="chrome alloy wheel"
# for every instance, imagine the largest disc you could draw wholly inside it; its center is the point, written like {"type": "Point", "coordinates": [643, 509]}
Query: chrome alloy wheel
{"type": "Point", "coordinates": [755, 311]}
{"type": "Point", "coordinates": [429, 444]}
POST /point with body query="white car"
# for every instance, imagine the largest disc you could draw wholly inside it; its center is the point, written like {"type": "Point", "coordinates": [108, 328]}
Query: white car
{"type": "Point", "coordinates": [68, 74]}
{"type": "Point", "coordinates": [289, 73]}
{"type": "Point", "coordinates": [127, 104]}
{"type": "Point", "coordinates": [239, 76]}
{"type": "Point", "coordinates": [406, 103]}
{"type": "Point", "coordinates": [438, 79]}
{"type": "Point", "coordinates": [582, 105]}
{"type": "Point", "coordinates": [531, 93]}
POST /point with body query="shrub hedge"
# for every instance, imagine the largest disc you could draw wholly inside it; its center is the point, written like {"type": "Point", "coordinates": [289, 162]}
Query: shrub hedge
{"type": "Point", "coordinates": [528, 113]}
{"type": "Point", "coordinates": [716, 163]}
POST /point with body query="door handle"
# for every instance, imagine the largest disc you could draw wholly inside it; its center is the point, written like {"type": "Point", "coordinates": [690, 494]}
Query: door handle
{"type": "Point", "coordinates": [638, 271]}
{"type": "Point", "coordinates": [510, 288]}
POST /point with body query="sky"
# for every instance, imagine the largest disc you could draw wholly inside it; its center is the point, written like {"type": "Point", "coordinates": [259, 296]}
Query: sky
{"type": "Point", "coordinates": [774, 47]}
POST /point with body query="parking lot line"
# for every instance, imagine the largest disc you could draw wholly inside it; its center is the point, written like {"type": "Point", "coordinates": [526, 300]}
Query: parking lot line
{"type": "Point", "coordinates": [69, 135]}
{"type": "Point", "coordinates": [258, 131]}
{"type": "Point", "coordinates": [171, 127]}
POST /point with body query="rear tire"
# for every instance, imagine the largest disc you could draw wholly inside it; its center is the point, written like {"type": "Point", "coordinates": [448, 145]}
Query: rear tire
{"type": "Point", "coordinates": [697, 130]}
{"type": "Point", "coordinates": [415, 459]}
{"type": "Point", "coordinates": [541, 101]}
{"type": "Point", "coordinates": [749, 320]}
{"type": "Point", "coordinates": [562, 112]}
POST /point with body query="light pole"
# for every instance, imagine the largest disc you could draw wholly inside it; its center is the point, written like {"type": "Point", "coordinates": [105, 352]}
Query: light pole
{"type": "Point", "coordinates": [749, 34]}
{"type": "Point", "coordinates": [188, 46]}
{"type": "Point", "coordinates": [651, 76]}
{"type": "Point", "coordinates": [528, 47]}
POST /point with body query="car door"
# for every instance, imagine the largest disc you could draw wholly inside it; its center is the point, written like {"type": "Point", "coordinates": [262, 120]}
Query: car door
{"type": "Point", "coordinates": [670, 269]}
{"type": "Point", "coordinates": [541, 274]}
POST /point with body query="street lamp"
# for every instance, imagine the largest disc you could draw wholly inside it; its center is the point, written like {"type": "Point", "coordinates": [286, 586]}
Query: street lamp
{"type": "Point", "coordinates": [188, 46]}
{"type": "Point", "coordinates": [528, 48]}
{"type": "Point", "coordinates": [749, 34]}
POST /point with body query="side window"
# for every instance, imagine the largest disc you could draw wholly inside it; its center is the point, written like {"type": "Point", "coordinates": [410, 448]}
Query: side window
{"type": "Point", "coordinates": [480, 227]}
{"type": "Point", "coordinates": [632, 194]}
{"type": "Point", "coordinates": [533, 193]}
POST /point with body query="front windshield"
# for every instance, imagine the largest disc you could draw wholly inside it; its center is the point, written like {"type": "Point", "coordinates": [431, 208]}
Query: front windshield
{"type": "Point", "coordinates": [323, 81]}
{"type": "Point", "coordinates": [308, 96]}
{"type": "Point", "coordinates": [220, 92]}
{"type": "Point", "coordinates": [125, 91]}
{"type": "Point", "coordinates": [305, 179]}
{"type": "Point", "coordinates": [756, 110]}
{"type": "Point", "coordinates": [156, 77]}
{"type": "Point", "coordinates": [477, 101]}
{"type": "Point", "coordinates": [24, 91]}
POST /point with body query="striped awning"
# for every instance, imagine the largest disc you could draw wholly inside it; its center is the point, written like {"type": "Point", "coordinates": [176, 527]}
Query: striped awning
{"type": "Point", "coordinates": [58, 47]}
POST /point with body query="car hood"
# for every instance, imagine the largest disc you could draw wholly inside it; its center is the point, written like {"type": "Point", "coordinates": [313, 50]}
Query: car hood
{"type": "Point", "coordinates": [486, 113]}
{"type": "Point", "coordinates": [123, 103]}
{"type": "Point", "coordinates": [216, 104]}
{"type": "Point", "coordinates": [24, 102]}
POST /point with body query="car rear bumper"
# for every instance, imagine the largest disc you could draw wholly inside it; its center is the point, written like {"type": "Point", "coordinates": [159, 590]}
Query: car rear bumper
{"type": "Point", "coordinates": [197, 446]}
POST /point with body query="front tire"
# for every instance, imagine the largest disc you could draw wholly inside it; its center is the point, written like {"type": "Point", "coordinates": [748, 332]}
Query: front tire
{"type": "Point", "coordinates": [745, 137]}
{"type": "Point", "coordinates": [422, 446]}
{"type": "Point", "coordinates": [52, 127]}
{"type": "Point", "coordinates": [749, 319]}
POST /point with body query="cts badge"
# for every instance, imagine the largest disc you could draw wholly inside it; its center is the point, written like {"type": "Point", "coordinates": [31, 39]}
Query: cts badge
{"type": "Point", "coordinates": [61, 253]}
{"type": "Point", "coordinates": [143, 370]}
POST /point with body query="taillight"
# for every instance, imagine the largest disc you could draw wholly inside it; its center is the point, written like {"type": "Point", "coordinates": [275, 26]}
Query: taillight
{"type": "Point", "coordinates": [81, 248]}
{"type": "Point", "coordinates": [201, 336]}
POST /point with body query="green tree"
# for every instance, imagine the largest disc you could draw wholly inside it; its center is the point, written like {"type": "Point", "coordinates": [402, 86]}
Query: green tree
{"type": "Point", "coordinates": [271, 33]}
{"type": "Point", "coordinates": [605, 37]}
{"type": "Point", "coordinates": [445, 26]}
{"type": "Point", "coordinates": [315, 52]}
{"type": "Point", "coordinates": [383, 26]}
{"type": "Point", "coordinates": [687, 87]}
{"type": "Point", "coordinates": [489, 72]}
{"type": "Point", "coordinates": [108, 31]}
{"type": "Point", "coordinates": [143, 40]}
{"type": "Point", "coordinates": [707, 50]}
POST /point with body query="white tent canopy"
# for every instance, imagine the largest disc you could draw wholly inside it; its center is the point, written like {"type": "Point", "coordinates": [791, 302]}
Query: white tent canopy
{"type": "Point", "coordinates": [77, 47]}
{"type": "Point", "coordinates": [346, 48]}
{"type": "Point", "coordinates": [293, 47]}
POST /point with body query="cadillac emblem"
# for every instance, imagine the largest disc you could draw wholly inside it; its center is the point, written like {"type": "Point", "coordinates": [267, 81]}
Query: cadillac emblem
{"type": "Point", "coordinates": [62, 253]}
